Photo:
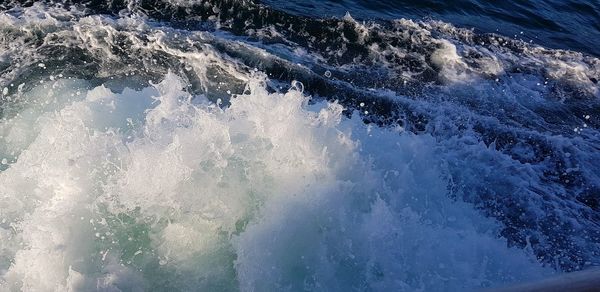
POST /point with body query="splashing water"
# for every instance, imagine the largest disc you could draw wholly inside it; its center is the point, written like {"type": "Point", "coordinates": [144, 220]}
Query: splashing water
{"type": "Point", "coordinates": [141, 150]}
{"type": "Point", "coordinates": [152, 188]}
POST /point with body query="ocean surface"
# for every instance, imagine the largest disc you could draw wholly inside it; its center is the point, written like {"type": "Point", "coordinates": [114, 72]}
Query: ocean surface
{"type": "Point", "coordinates": [560, 24]}
{"type": "Point", "coordinates": [238, 145]}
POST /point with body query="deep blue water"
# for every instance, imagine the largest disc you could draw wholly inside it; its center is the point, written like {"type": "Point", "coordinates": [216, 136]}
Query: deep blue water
{"type": "Point", "coordinates": [564, 24]}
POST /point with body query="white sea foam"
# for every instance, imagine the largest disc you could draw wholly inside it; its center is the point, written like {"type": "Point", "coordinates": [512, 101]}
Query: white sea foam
{"type": "Point", "coordinates": [152, 188]}
{"type": "Point", "coordinates": [103, 188]}
{"type": "Point", "coordinates": [452, 67]}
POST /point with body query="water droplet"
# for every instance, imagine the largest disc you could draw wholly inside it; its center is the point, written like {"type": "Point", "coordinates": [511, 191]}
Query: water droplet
{"type": "Point", "coordinates": [297, 85]}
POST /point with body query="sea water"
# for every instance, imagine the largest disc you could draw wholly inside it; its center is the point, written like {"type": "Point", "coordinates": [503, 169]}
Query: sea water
{"type": "Point", "coordinates": [223, 146]}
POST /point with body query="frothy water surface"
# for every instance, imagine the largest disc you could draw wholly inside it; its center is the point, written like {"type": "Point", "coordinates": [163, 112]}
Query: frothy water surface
{"type": "Point", "coordinates": [153, 145]}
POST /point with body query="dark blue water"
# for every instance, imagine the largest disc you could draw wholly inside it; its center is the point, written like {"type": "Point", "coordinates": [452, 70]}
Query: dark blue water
{"type": "Point", "coordinates": [564, 24]}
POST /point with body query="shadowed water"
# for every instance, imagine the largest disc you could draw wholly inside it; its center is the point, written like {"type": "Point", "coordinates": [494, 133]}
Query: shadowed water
{"type": "Point", "coordinates": [562, 24]}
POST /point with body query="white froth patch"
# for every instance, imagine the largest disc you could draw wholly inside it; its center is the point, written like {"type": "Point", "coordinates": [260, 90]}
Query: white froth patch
{"type": "Point", "coordinates": [452, 67]}
{"type": "Point", "coordinates": [573, 73]}
{"type": "Point", "coordinates": [156, 188]}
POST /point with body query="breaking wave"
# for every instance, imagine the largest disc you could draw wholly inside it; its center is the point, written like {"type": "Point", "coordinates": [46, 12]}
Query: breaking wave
{"type": "Point", "coordinates": [224, 145]}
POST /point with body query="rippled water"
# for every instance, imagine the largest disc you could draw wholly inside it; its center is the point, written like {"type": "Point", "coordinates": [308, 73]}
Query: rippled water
{"type": "Point", "coordinates": [573, 25]}
{"type": "Point", "coordinates": [230, 145]}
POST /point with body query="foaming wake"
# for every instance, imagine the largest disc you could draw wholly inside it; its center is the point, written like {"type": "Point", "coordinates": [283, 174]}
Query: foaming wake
{"type": "Point", "coordinates": [217, 179]}
{"type": "Point", "coordinates": [156, 188]}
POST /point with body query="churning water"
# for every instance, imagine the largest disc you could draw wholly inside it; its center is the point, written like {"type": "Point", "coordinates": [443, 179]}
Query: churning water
{"type": "Point", "coordinates": [228, 145]}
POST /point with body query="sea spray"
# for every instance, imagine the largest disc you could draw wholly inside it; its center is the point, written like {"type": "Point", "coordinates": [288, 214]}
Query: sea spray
{"type": "Point", "coordinates": [159, 189]}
